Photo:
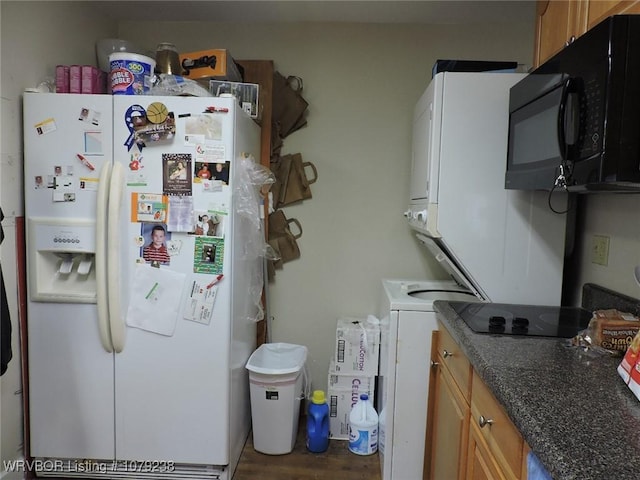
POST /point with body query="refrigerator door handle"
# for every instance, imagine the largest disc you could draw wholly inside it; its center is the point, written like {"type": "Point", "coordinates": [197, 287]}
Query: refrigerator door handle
{"type": "Point", "coordinates": [116, 322]}
{"type": "Point", "coordinates": [101, 258]}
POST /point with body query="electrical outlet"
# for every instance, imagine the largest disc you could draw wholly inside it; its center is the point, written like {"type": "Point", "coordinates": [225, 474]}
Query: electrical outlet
{"type": "Point", "coordinates": [600, 250]}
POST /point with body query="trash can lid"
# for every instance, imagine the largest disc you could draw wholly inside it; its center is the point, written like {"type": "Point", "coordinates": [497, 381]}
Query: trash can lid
{"type": "Point", "coordinates": [277, 358]}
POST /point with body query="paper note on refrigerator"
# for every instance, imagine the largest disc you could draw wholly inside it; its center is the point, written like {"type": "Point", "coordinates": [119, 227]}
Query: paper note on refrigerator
{"type": "Point", "coordinates": [155, 297]}
{"type": "Point", "coordinates": [199, 304]}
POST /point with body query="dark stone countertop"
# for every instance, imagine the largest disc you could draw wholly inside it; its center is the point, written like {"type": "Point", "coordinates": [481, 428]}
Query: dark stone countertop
{"type": "Point", "coordinates": [571, 407]}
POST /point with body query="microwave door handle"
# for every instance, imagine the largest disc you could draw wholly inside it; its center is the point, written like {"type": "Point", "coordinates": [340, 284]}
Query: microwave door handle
{"type": "Point", "coordinates": [568, 117]}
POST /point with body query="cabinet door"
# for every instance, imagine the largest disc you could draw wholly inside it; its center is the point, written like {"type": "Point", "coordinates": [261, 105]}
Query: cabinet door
{"type": "Point", "coordinates": [428, 439]}
{"type": "Point", "coordinates": [557, 22]}
{"type": "Point", "coordinates": [457, 364]}
{"type": "Point", "coordinates": [450, 430]}
{"type": "Point", "coordinates": [498, 432]}
{"type": "Point", "coordinates": [601, 9]}
{"type": "Point", "coordinates": [480, 463]}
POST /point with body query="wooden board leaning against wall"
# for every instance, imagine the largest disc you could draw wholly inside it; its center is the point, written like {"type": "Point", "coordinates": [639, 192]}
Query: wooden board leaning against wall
{"type": "Point", "coordinates": [261, 72]}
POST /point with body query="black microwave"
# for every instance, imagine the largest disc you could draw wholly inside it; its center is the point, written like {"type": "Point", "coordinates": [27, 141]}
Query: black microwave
{"type": "Point", "coordinates": [574, 122]}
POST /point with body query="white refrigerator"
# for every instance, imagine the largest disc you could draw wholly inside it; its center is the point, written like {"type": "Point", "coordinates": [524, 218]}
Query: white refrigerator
{"type": "Point", "coordinates": [144, 278]}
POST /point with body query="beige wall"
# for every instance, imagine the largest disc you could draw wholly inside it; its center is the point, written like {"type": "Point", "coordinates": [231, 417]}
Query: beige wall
{"type": "Point", "coordinates": [618, 217]}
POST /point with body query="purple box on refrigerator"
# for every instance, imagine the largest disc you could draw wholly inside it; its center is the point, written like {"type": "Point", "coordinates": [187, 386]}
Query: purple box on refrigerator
{"type": "Point", "coordinates": [75, 79]}
{"type": "Point", "coordinates": [62, 79]}
{"type": "Point", "coordinates": [93, 80]}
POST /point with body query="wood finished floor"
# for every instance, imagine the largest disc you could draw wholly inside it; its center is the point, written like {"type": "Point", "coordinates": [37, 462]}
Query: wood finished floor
{"type": "Point", "coordinates": [337, 463]}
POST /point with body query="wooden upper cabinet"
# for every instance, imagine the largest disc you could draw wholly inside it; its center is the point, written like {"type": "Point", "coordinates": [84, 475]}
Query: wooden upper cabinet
{"type": "Point", "coordinates": [601, 9]}
{"type": "Point", "coordinates": [557, 23]}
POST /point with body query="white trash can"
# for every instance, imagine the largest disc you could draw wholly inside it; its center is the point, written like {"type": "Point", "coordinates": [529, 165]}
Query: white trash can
{"type": "Point", "coordinates": [277, 378]}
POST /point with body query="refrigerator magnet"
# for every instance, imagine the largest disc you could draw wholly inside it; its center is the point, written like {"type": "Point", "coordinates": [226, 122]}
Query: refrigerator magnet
{"type": "Point", "coordinates": [208, 127]}
{"type": "Point", "coordinates": [199, 304]}
{"type": "Point", "coordinates": [155, 296]}
{"type": "Point", "coordinates": [209, 154]}
{"type": "Point", "coordinates": [211, 186]}
{"type": "Point", "coordinates": [179, 217]}
{"type": "Point", "coordinates": [89, 116]}
{"type": "Point", "coordinates": [176, 175]}
{"type": "Point", "coordinates": [207, 223]}
{"type": "Point", "coordinates": [64, 189]}
{"type": "Point", "coordinates": [93, 142]}
{"type": "Point", "coordinates": [155, 237]}
{"type": "Point", "coordinates": [208, 254]}
{"type": "Point", "coordinates": [221, 172]}
{"type": "Point", "coordinates": [153, 127]}
{"type": "Point", "coordinates": [46, 126]}
{"type": "Point", "coordinates": [89, 184]}
{"type": "Point", "coordinates": [149, 207]}
{"type": "Point", "coordinates": [135, 162]}
{"type": "Point", "coordinates": [174, 247]}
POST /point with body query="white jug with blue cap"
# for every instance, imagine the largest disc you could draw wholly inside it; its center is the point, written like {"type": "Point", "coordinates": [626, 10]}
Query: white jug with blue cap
{"type": "Point", "coordinates": [363, 427]}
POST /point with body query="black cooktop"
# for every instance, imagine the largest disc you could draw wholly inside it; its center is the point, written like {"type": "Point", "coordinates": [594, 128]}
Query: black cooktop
{"type": "Point", "coordinates": [527, 320]}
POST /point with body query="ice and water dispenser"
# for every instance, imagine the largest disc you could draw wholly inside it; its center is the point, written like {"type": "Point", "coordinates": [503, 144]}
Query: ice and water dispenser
{"type": "Point", "coordinates": [62, 260]}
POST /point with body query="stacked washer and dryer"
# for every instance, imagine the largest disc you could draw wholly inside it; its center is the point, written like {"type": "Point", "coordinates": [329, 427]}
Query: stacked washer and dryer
{"type": "Point", "coordinates": [497, 245]}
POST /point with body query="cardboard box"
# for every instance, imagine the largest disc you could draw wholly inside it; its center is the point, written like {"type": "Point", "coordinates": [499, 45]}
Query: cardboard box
{"type": "Point", "coordinates": [246, 93]}
{"type": "Point", "coordinates": [205, 65]}
{"type": "Point", "coordinates": [343, 393]}
{"type": "Point", "coordinates": [357, 348]}
{"type": "Point", "coordinates": [353, 382]}
{"type": "Point", "coordinates": [629, 368]}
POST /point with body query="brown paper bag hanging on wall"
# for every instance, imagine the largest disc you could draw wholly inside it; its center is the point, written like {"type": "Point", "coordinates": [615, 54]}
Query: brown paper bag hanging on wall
{"type": "Point", "coordinates": [280, 225]}
{"type": "Point", "coordinates": [275, 264]}
{"type": "Point", "coordinates": [288, 248]}
{"type": "Point", "coordinates": [282, 239]}
{"type": "Point", "coordinates": [271, 270]}
{"type": "Point", "coordinates": [302, 122]}
{"type": "Point", "coordinates": [288, 105]}
{"type": "Point", "coordinates": [297, 188]}
{"type": "Point", "coordinates": [281, 169]}
{"type": "Point", "coordinates": [276, 140]}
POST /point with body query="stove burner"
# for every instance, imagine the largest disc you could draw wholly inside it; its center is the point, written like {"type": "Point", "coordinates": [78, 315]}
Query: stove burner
{"type": "Point", "coordinates": [519, 329]}
{"type": "Point", "coordinates": [520, 322]}
{"type": "Point", "coordinates": [523, 320]}
{"type": "Point", "coordinates": [497, 328]}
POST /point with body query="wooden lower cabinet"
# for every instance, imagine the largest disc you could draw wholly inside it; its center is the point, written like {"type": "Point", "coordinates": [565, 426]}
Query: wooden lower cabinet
{"type": "Point", "coordinates": [450, 429]}
{"type": "Point", "coordinates": [471, 436]}
{"type": "Point", "coordinates": [502, 439]}
{"type": "Point", "coordinates": [480, 463]}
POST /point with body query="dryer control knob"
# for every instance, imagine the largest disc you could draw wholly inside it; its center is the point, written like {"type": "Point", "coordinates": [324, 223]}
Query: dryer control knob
{"type": "Point", "coordinates": [422, 216]}
{"type": "Point", "coordinates": [407, 214]}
